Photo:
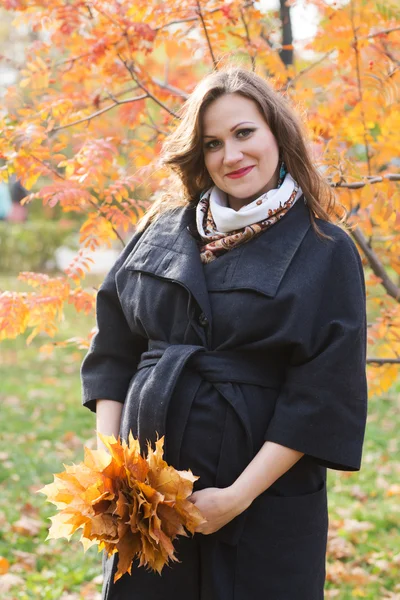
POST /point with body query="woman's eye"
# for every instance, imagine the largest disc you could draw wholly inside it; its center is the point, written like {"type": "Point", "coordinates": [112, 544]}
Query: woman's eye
{"type": "Point", "coordinates": [210, 145]}
{"type": "Point", "coordinates": [241, 133]}
{"type": "Point", "coordinates": [246, 132]}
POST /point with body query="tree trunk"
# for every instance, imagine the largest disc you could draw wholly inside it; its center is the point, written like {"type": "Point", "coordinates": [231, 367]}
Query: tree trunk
{"type": "Point", "coordinates": [287, 35]}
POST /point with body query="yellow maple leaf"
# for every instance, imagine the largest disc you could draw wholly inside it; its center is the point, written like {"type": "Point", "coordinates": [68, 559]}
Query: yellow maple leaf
{"type": "Point", "coordinates": [125, 503]}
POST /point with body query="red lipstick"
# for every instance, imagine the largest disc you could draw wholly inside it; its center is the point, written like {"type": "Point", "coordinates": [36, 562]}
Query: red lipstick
{"type": "Point", "coordinates": [240, 172]}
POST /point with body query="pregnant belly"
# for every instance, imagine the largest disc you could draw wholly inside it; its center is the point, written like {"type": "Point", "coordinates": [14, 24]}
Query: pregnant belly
{"type": "Point", "coordinates": [202, 437]}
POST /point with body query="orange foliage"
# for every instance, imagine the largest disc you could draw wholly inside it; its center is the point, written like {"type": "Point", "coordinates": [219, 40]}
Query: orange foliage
{"type": "Point", "coordinates": [125, 503]}
{"type": "Point", "coordinates": [101, 88]}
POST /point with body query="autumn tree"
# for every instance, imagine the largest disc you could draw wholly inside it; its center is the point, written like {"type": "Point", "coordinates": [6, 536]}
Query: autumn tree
{"type": "Point", "coordinates": [101, 88]}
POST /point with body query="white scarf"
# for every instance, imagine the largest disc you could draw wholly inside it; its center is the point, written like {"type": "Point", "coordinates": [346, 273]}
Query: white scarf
{"type": "Point", "coordinates": [227, 219]}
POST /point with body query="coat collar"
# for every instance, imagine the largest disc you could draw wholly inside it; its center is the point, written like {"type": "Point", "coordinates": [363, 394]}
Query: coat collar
{"type": "Point", "coordinates": [168, 250]}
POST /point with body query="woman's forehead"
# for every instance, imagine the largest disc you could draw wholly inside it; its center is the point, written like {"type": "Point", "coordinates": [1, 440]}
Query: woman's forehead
{"type": "Point", "coordinates": [226, 112]}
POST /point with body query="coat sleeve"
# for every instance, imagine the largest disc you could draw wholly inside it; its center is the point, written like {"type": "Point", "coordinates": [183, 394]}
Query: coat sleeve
{"type": "Point", "coordinates": [322, 406]}
{"type": "Point", "coordinates": [115, 350]}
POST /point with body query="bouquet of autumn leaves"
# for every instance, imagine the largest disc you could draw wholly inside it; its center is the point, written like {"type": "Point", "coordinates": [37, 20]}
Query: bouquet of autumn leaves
{"type": "Point", "coordinates": [125, 503]}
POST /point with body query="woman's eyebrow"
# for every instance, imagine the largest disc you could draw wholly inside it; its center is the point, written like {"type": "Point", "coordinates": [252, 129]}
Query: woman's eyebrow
{"type": "Point", "coordinates": [232, 129]}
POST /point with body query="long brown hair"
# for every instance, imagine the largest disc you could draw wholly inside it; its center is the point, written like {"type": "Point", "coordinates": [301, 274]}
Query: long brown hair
{"type": "Point", "coordinates": [182, 152]}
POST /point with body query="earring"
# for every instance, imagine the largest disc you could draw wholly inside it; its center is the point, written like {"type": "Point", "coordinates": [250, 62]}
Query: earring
{"type": "Point", "coordinates": [282, 173]}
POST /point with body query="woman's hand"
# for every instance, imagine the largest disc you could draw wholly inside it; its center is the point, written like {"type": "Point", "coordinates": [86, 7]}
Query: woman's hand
{"type": "Point", "coordinates": [218, 506]}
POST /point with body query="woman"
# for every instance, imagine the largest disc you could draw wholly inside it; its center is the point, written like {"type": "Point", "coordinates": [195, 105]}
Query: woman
{"type": "Point", "coordinates": [234, 323]}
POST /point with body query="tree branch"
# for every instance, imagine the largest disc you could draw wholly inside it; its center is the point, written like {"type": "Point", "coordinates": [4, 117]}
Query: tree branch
{"type": "Point", "coordinates": [264, 37]}
{"type": "Point", "coordinates": [356, 185]}
{"type": "Point", "coordinates": [377, 267]}
{"type": "Point", "coordinates": [93, 204]}
{"type": "Point", "coordinates": [154, 125]}
{"type": "Point", "coordinates": [72, 60]}
{"type": "Point", "coordinates": [106, 97]}
{"type": "Point", "coordinates": [304, 71]}
{"type": "Point", "coordinates": [147, 92]}
{"type": "Point", "coordinates": [379, 33]}
{"type": "Point", "coordinates": [99, 112]}
{"type": "Point", "coordinates": [105, 14]}
{"type": "Point", "coordinates": [200, 13]}
{"type": "Point", "coordinates": [316, 63]}
{"type": "Point", "coordinates": [174, 90]}
{"type": "Point", "coordinates": [191, 19]}
{"type": "Point", "coordinates": [246, 28]}
{"type": "Point", "coordinates": [285, 53]}
{"type": "Point", "coordinates": [383, 361]}
{"type": "Point", "coordinates": [360, 91]}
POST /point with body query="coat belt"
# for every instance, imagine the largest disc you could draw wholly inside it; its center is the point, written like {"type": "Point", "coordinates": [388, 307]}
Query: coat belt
{"type": "Point", "coordinates": [148, 406]}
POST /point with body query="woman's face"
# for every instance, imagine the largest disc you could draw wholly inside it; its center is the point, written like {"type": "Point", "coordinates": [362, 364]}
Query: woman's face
{"type": "Point", "coordinates": [237, 138]}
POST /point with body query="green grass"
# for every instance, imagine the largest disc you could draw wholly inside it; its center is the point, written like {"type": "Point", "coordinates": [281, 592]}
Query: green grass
{"type": "Point", "coordinates": [43, 425]}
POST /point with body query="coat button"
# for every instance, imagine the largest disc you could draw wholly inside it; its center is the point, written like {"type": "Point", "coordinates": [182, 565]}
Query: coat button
{"type": "Point", "coordinates": [203, 320]}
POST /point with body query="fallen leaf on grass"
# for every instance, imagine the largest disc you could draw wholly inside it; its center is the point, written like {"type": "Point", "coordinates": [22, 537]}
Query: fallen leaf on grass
{"type": "Point", "coordinates": [53, 381]}
{"type": "Point", "coordinates": [89, 591]}
{"type": "Point", "coordinates": [393, 490]}
{"type": "Point", "coordinates": [13, 401]}
{"type": "Point", "coordinates": [27, 526]}
{"type": "Point", "coordinates": [396, 559]}
{"type": "Point", "coordinates": [71, 440]}
{"type": "Point", "coordinates": [4, 565]}
{"type": "Point", "coordinates": [26, 561]}
{"type": "Point", "coordinates": [351, 525]}
{"type": "Point", "coordinates": [28, 509]}
{"type": "Point", "coordinates": [358, 493]}
{"type": "Point", "coordinates": [125, 503]}
{"type": "Point", "coordinates": [339, 547]}
{"type": "Point", "coordinates": [359, 593]}
{"type": "Point", "coordinates": [8, 581]}
{"type": "Point", "coordinates": [339, 572]}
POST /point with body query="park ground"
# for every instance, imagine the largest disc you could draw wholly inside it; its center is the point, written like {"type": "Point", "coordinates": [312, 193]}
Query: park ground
{"type": "Point", "coordinates": [43, 426]}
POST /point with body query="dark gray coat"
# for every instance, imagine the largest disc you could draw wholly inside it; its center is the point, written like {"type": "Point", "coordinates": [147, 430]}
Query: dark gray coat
{"type": "Point", "coordinates": [267, 342]}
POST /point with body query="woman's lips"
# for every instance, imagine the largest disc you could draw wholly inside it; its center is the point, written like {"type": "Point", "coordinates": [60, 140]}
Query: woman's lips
{"type": "Point", "coordinates": [240, 173]}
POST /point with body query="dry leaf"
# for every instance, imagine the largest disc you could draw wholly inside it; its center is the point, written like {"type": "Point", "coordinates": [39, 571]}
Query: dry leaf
{"type": "Point", "coordinates": [8, 581]}
{"type": "Point", "coordinates": [339, 547]}
{"type": "Point", "coordinates": [4, 565]}
{"type": "Point", "coordinates": [27, 526]}
{"type": "Point", "coordinates": [125, 503]}
{"type": "Point", "coordinates": [393, 490]}
{"type": "Point", "coordinates": [26, 561]}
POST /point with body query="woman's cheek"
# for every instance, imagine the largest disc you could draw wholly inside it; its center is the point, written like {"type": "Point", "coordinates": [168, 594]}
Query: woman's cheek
{"type": "Point", "coordinates": [210, 166]}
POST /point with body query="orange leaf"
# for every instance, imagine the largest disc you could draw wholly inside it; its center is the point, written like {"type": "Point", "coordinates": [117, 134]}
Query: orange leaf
{"type": "Point", "coordinates": [4, 565]}
{"type": "Point", "coordinates": [125, 502]}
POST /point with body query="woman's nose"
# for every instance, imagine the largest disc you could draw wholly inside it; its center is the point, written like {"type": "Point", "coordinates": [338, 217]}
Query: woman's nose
{"type": "Point", "coordinates": [232, 155]}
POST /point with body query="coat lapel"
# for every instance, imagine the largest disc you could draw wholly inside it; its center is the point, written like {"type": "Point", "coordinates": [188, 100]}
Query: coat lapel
{"type": "Point", "coordinates": [261, 264]}
{"type": "Point", "coordinates": [168, 250]}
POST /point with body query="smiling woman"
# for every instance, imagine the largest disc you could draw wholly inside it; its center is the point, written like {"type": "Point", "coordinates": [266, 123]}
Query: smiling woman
{"type": "Point", "coordinates": [234, 323]}
{"type": "Point", "coordinates": [243, 162]}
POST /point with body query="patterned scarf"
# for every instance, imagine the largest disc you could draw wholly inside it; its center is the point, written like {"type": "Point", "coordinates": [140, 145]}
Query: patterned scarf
{"type": "Point", "coordinates": [238, 227]}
